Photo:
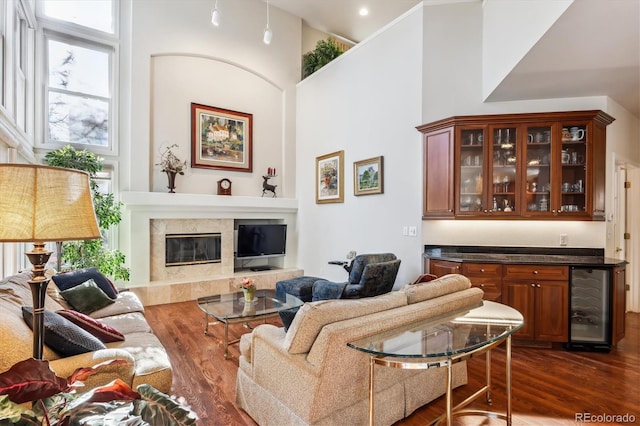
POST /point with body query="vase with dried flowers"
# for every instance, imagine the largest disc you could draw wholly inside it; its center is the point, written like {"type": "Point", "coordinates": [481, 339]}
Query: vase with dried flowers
{"type": "Point", "coordinates": [171, 165]}
{"type": "Point", "coordinates": [248, 286]}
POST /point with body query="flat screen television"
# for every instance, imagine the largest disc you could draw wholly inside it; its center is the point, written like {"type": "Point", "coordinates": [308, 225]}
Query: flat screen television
{"type": "Point", "coordinates": [256, 241]}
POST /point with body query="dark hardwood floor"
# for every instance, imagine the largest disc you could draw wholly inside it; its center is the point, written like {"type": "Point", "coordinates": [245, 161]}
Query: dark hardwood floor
{"type": "Point", "coordinates": [550, 386]}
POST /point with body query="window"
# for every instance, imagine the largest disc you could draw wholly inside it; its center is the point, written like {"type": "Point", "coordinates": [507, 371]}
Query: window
{"type": "Point", "coordinates": [95, 14]}
{"type": "Point", "coordinates": [23, 70]}
{"type": "Point", "coordinates": [80, 48]}
{"type": "Point", "coordinates": [78, 94]}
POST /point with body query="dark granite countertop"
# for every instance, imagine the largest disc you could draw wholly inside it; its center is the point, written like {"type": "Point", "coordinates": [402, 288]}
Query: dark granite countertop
{"type": "Point", "coordinates": [522, 255]}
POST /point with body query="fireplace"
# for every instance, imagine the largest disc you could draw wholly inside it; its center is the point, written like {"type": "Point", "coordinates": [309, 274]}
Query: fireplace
{"type": "Point", "coordinates": [189, 249]}
{"type": "Point", "coordinates": [192, 249]}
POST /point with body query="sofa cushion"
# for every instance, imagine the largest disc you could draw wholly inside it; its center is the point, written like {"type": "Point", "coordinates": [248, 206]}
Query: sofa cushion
{"type": "Point", "coordinates": [63, 336]}
{"type": "Point", "coordinates": [70, 279]}
{"type": "Point", "coordinates": [126, 302]}
{"type": "Point", "coordinates": [439, 287]}
{"type": "Point", "coordinates": [96, 327]}
{"type": "Point", "coordinates": [311, 317]}
{"type": "Point", "coordinates": [86, 297]}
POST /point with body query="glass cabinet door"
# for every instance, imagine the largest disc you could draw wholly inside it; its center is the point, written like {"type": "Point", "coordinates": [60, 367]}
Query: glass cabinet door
{"type": "Point", "coordinates": [573, 166]}
{"type": "Point", "coordinates": [472, 171]}
{"type": "Point", "coordinates": [504, 178]}
{"type": "Point", "coordinates": [538, 187]}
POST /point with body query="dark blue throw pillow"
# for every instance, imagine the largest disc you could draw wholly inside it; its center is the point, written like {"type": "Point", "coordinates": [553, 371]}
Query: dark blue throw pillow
{"type": "Point", "coordinates": [67, 280]}
{"type": "Point", "coordinates": [62, 335]}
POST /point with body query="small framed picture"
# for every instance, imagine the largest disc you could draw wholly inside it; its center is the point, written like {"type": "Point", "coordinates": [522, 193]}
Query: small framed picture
{"type": "Point", "coordinates": [368, 176]}
{"type": "Point", "coordinates": [221, 139]}
{"type": "Point", "coordinates": [330, 178]}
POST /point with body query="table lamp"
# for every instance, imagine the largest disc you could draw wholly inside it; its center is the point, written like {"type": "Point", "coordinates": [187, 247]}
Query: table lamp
{"type": "Point", "coordinates": [40, 204]}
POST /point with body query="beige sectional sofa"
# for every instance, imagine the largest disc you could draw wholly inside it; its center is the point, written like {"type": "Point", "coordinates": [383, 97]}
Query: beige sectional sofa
{"type": "Point", "coordinates": [308, 375]}
{"type": "Point", "coordinates": [148, 361]}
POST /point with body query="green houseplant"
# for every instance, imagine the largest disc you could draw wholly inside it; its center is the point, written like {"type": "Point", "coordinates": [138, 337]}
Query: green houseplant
{"type": "Point", "coordinates": [92, 253]}
{"type": "Point", "coordinates": [325, 52]}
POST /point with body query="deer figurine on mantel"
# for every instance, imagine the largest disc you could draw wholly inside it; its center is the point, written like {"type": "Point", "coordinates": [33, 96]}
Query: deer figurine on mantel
{"type": "Point", "coordinates": [268, 187]}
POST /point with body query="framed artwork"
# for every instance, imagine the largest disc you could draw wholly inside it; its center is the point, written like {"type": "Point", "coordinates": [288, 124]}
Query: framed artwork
{"type": "Point", "coordinates": [221, 139]}
{"type": "Point", "coordinates": [368, 177]}
{"type": "Point", "coordinates": [330, 178]}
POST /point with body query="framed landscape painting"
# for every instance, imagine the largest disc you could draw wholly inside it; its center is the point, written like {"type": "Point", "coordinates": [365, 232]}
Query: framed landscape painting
{"type": "Point", "coordinates": [330, 178]}
{"type": "Point", "coordinates": [221, 139]}
{"type": "Point", "coordinates": [367, 176]}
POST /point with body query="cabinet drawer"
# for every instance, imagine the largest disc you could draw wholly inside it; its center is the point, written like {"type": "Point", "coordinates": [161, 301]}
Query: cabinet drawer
{"type": "Point", "coordinates": [537, 272]}
{"type": "Point", "coordinates": [482, 270]}
{"type": "Point", "coordinates": [492, 289]}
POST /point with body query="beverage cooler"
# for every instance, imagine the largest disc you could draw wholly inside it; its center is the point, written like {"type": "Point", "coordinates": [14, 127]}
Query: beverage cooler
{"type": "Point", "coordinates": [590, 315]}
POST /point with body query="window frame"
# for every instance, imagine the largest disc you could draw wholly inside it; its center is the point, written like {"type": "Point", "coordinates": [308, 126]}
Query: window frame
{"type": "Point", "coordinates": [66, 32]}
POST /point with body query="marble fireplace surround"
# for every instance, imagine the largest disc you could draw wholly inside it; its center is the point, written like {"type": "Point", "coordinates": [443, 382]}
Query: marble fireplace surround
{"type": "Point", "coordinates": [148, 216]}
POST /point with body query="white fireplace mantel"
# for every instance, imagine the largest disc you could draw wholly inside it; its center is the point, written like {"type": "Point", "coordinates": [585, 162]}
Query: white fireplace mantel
{"type": "Point", "coordinates": [140, 208]}
{"type": "Point", "coordinates": [193, 203]}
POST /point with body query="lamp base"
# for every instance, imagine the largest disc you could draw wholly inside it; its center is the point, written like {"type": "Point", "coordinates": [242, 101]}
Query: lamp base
{"type": "Point", "coordinates": [38, 257]}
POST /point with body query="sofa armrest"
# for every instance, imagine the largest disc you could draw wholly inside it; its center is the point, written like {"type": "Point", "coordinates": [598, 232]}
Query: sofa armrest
{"type": "Point", "coordinates": [64, 367]}
{"type": "Point", "coordinates": [272, 366]}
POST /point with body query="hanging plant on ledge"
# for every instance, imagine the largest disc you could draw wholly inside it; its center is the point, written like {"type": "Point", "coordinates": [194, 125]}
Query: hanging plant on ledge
{"type": "Point", "coordinates": [325, 52]}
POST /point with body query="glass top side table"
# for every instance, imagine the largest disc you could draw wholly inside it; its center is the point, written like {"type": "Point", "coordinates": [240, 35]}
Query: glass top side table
{"type": "Point", "coordinates": [230, 308]}
{"type": "Point", "coordinates": [442, 342]}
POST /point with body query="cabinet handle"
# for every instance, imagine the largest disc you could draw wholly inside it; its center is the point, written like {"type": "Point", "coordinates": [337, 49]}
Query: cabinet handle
{"type": "Point", "coordinates": [481, 269]}
{"type": "Point", "coordinates": [486, 211]}
{"type": "Point", "coordinates": [481, 285]}
{"type": "Point", "coordinates": [533, 285]}
{"type": "Point", "coordinates": [538, 285]}
{"type": "Point", "coordinates": [553, 211]}
{"type": "Point", "coordinates": [457, 267]}
{"type": "Point", "coordinates": [535, 272]}
{"type": "Point", "coordinates": [450, 210]}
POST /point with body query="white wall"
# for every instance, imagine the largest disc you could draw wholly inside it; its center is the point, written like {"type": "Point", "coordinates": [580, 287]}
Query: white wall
{"type": "Point", "coordinates": [178, 57]}
{"type": "Point", "coordinates": [367, 103]}
{"type": "Point", "coordinates": [510, 30]}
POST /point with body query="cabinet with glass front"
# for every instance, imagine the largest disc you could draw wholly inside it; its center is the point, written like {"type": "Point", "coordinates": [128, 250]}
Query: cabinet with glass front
{"type": "Point", "coordinates": [519, 166]}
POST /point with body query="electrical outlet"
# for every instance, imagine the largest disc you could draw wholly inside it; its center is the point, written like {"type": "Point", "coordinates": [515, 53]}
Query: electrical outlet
{"type": "Point", "coordinates": [564, 239]}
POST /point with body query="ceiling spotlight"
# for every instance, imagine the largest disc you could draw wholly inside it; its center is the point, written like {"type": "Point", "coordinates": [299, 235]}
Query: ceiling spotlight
{"type": "Point", "coordinates": [268, 34]}
{"type": "Point", "coordinates": [364, 11]}
{"type": "Point", "coordinates": [215, 15]}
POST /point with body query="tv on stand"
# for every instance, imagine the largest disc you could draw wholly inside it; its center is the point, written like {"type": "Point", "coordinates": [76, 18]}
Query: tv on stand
{"type": "Point", "coordinates": [261, 241]}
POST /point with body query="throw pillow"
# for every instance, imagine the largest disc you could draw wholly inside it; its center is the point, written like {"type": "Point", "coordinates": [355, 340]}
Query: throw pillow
{"type": "Point", "coordinates": [63, 336]}
{"type": "Point", "coordinates": [86, 297]}
{"type": "Point", "coordinates": [102, 331]}
{"type": "Point", "coordinates": [67, 280]}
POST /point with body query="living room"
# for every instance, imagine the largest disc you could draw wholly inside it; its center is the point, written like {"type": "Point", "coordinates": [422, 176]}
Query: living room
{"type": "Point", "coordinates": [435, 61]}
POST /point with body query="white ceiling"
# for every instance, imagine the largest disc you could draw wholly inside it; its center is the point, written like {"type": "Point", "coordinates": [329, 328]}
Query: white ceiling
{"type": "Point", "coordinates": [341, 17]}
{"type": "Point", "coordinates": [592, 50]}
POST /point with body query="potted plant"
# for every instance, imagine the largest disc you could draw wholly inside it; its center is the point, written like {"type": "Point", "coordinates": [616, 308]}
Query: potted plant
{"type": "Point", "coordinates": [325, 52]}
{"type": "Point", "coordinates": [57, 401]}
{"type": "Point", "coordinates": [91, 253]}
{"type": "Point", "coordinates": [172, 165]}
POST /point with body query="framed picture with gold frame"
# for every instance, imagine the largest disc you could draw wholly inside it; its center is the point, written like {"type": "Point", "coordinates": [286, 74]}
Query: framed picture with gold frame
{"type": "Point", "coordinates": [368, 177]}
{"type": "Point", "coordinates": [330, 178]}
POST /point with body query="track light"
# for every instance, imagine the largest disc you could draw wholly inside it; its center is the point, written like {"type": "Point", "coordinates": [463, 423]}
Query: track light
{"type": "Point", "coordinates": [215, 15]}
{"type": "Point", "coordinates": [268, 34]}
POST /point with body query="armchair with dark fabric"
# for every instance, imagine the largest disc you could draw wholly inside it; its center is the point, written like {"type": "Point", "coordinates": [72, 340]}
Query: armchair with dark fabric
{"type": "Point", "coordinates": [370, 275]}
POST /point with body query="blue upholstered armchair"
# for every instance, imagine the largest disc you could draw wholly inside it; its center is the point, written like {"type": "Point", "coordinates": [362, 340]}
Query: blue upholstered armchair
{"type": "Point", "coordinates": [369, 275]}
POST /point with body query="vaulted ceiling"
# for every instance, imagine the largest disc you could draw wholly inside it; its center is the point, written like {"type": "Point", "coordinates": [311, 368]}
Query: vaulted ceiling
{"type": "Point", "coordinates": [592, 50]}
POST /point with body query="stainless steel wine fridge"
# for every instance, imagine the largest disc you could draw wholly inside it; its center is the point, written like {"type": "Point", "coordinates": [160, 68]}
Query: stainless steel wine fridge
{"type": "Point", "coordinates": [590, 313]}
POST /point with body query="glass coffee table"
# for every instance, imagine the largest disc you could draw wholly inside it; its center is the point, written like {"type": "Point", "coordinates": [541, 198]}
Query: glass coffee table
{"type": "Point", "coordinates": [232, 309]}
{"type": "Point", "coordinates": [442, 342]}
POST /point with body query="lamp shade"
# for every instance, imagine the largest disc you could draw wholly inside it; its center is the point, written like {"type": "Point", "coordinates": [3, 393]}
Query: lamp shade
{"type": "Point", "coordinates": [41, 203]}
